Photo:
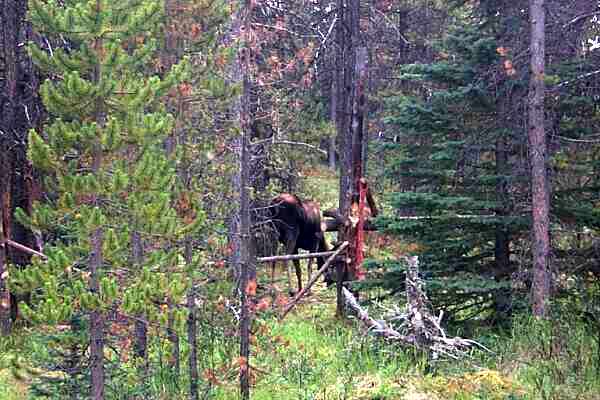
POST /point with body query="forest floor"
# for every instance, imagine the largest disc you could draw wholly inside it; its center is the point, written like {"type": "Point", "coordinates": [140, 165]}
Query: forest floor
{"type": "Point", "coordinates": [311, 355]}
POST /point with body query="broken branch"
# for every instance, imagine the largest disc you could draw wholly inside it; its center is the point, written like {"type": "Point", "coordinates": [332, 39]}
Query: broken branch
{"type": "Point", "coordinates": [313, 279]}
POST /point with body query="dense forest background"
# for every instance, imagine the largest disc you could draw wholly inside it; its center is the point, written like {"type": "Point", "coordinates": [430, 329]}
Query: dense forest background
{"type": "Point", "coordinates": [142, 143]}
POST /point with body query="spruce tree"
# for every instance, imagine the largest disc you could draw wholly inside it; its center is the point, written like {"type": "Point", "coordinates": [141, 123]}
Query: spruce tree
{"type": "Point", "coordinates": [461, 154]}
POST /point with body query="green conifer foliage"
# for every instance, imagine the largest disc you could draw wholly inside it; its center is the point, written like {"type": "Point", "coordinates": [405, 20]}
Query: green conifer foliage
{"type": "Point", "coordinates": [106, 167]}
{"type": "Point", "coordinates": [461, 156]}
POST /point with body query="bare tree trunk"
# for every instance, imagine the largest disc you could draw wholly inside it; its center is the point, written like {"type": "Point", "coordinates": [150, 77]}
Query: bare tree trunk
{"type": "Point", "coordinates": [5, 320]}
{"type": "Point", "coordinates": [342, 94]}
{"type": "Point", "coordinates": [170, 55]}
{"type": "Point", "coordinates": [96, 320]}
{"type": "Point", "coordinates": [334, 109]}
{"type": "Point", "coordinates": [140, 346]}
{"type": "Point", "coordinates": [192, 323]}
{"type": "Point", "coordinates": [247, 259]}
{"type": "Point", "coordinates": [7, 126]}
{"type": "Point", "coordinates": [502, 271]}
{"type": "Point", "coordinates": [537, 152]}
{"type": "Point", "coordinates": [174, 360]}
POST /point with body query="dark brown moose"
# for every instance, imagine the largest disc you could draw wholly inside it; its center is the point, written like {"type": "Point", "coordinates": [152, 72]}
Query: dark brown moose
{"type": "Point", "coordinates": [298, 226]}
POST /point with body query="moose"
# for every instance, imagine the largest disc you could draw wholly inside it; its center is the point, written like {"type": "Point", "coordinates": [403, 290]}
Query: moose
{"type": "Point", "coordinates": [298, 226]}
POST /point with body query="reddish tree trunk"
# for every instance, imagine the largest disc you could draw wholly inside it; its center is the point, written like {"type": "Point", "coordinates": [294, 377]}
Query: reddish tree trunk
{"type": "Point", "coordinates": [537, 153]}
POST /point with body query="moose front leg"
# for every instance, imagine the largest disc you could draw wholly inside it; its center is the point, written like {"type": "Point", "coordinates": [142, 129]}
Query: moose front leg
{"type": "Point", "coordinates": [298, 273]}
{"type": "Point", "coordinates": [290, 248]}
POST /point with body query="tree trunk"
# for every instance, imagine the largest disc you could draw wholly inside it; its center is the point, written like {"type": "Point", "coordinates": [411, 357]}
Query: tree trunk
{"type": "Point", "coordinates": [97, 319]}
{"type": "Point", "coordinates": [247, 267]}
{"type": "Point", "coordinates": [502, 299]}
{"type": "Point", "coordinates": [537, 154]}
{"type": "Point", "coordinates": [140, 346]}
{"type": "Point", "coordinates": [5, 320]}
{"type": "Point", "coordinates": [174, 360]}
{"type": "Point", "coordinates": [342, 86]}
{"type": "Point", "coordinates": [7, 127]}
{"type": "Point", "coordinates": [20, 110]}
{"type": "Point", "coordinates": [331, 150]}
{"type": "Point", "coordinates": [191, 327]}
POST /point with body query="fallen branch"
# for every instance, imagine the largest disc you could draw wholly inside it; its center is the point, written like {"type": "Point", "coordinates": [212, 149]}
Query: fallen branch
{"type": "Point", "coordinates": [417, 326]}
{"type": "Point", "coordinates": [312, 281]}
{"type": "Point", "coordinates": [379, 327]}
{"type": "Point", "coordinates": [307, 145]}
{"type": "Point", "coordinates": [290, 257]}
{"type": "Point", "coordinates": [25, 249]}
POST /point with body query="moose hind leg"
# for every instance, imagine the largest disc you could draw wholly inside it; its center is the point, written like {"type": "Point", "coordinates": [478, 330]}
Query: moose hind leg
{"type": "Point", "coordinates": [298, 274]}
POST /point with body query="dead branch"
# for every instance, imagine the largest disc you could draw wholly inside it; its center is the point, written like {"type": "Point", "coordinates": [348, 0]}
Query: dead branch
{"type": "Point", "coordinates": [289, 257]}
{"type": "Point", "coordinates": [416, 326]}
{"type": "Point", "coordinates": [25, 249]}
{"type": "Point", "coordinates": [314, 278]}
{"type": "Point", "coordinates": [291, 143]}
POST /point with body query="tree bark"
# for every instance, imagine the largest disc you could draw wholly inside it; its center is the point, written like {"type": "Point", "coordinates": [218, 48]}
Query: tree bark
{"type": "Point", "coordinates": [5, 320]}
{"type": "Point", "coordinates": [537, 153]}
{"type": "Point", "coordinates": [7, 127]}
{"type": "Point", "coordinates": [331, 150]}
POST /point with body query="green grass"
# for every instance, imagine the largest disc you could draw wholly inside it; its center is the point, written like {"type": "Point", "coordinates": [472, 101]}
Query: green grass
{"type": "Point", "coordinates": [313, 355]}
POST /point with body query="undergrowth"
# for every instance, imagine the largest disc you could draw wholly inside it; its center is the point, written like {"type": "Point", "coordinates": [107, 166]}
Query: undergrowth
{"type": "Point", "coordinates": [312, 355]}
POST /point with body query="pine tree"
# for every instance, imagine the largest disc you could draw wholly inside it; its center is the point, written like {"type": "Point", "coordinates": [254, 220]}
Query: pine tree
{"type": "Point", "coordinates": [109, 176]}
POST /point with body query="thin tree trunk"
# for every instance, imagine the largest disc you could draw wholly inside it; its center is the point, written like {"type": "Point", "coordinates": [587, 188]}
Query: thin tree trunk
{"type": "Point", "coordinates": [191, 328]}
{"type": "Point", "coordinates": [247, 257]}
{"type": "Point", "coordinates": [247, 281]}
{"type": "Point", "coordinates": [342, 94]}
{"type": "Point", "coordinates": [169, 56]}
{"type": "Point", "coordinates": [502, 271]}
{"type": "Point", "coordinates": [97, 319]}
{"type": "Point", "coordinates": [140, 346]}
{"type": "Point", "coordinates": [174, 359]}
{"type": "Point", "coordinates": [5, 320]}
{"type": "Point", "coordinates": [331, 140]}
{"type": "Point", "coordinates": [537, 153]}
